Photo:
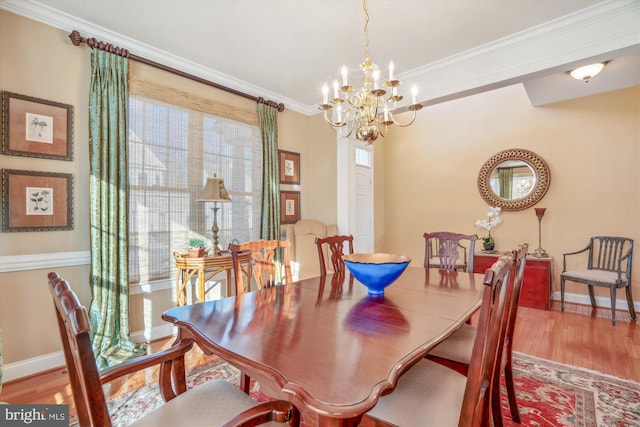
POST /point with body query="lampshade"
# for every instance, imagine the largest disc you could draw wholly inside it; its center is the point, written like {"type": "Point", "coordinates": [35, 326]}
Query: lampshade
{"type": "Point", "coordinates": [586, 72]}
{"type": "Point", "coordinates": [214, 191]}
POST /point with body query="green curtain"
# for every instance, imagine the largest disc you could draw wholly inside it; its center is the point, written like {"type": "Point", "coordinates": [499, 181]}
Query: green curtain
{"type": "Point", "coordinates": [109, 311]}
{"type": "Point", "coordinates": [270, 223]}
{"type": "Point", "coordinates": [505, 176]}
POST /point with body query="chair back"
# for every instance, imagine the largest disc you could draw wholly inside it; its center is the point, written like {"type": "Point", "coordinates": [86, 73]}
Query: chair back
{"type": "Point", "coordinates": [611, 253]}
{"type": "Point", "coordinates": [335, 246]}
{"type": "Point", "coordinates": [505, 351]}
{"type": "Point", "coordinates": [270, 264]}
{"type": "Point", "coordinates": [489, 339]}
{"type": "Point", "coordinates": [75, 332]}
{"type": "Point", "coordinates": [446, 251]}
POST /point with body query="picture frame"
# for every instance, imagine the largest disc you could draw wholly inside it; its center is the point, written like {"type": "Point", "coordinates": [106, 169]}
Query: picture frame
{"type": "Point", "coordinates": [34, 127]}
{"type": "Point", "coordinates": [289, 207]}
{"type": "Point", "coordinates": [36, 201]}
{"type": "Point", "coordinates": [289, 163]}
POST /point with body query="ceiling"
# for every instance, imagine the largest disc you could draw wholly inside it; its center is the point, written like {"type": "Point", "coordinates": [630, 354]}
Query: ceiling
{"type": "Point", "coordinates": [285, 50]}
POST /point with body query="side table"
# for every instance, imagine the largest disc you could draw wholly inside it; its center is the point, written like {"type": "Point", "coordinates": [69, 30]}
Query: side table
{"type": "Point", "coordinates": [204, 268]}
{"type": "Point", "coordinates": [536, 283]}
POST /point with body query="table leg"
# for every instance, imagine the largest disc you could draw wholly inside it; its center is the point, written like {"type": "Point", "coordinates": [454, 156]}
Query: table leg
{"type": "Point", "coordinates": [200, 285]}
{"type": "Point", "coordinates": [228, 283]}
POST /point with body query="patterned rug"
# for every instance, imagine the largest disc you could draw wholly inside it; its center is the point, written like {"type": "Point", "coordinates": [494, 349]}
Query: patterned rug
{"type": "Point", "coordinates": [548, 394]}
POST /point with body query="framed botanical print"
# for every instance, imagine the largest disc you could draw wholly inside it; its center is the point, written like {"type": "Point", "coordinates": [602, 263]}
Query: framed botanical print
{"type": "Point", "coordinates": [36, 201]}
{"type": "Point", "coordinates": [289, 207]}
{"type": "Point", "coordinates": [289, 167]}
{"type": "Point", "coordinates": [35, 127]}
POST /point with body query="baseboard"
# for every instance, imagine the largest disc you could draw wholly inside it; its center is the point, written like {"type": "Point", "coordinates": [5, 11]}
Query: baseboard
{"type": "Point", "coordinates": [601, 302]}
{"type": "Point", "coordinates": [155, 333]}
{"type": "Point", "coordinates": [36, 365]}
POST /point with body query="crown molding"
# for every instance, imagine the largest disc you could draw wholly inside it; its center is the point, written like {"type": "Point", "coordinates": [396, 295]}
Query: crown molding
{"type": "Point", "coordinates": [43, 13]}
{"type": "Point", "coordinates": [591, 32]}
{"type": "Point", "coordinates": [607, 28]}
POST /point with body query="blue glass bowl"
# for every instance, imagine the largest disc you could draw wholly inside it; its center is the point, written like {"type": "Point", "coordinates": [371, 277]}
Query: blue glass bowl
{"type": "Point", "coordinates": [376, 271]}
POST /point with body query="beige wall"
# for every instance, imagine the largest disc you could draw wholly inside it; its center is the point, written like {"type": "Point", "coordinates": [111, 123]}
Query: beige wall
{"type": "Point", "coordinates": [40, 61]}
{"type": "Point", "coordinates": [592, 147]}
{"type": "Point", "coordinates": [425, 175]}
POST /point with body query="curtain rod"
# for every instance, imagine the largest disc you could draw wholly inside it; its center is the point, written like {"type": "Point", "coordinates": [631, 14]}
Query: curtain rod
{"type": "Point", "coordinates": [93, 43]}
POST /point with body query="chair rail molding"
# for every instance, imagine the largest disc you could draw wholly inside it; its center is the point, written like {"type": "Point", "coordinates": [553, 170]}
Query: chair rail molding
{"type": "Point", "coordinates": [9, 263]}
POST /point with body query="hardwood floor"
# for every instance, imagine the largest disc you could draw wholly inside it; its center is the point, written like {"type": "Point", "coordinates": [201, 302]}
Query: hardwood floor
{"type": "Point", "coordinates": [576, 337]}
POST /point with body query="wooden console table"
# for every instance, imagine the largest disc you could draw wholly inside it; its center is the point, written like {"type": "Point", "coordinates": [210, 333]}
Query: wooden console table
{"type": "Point", "coordinates": [205, 268]}
{"type": "Point", "coordinates": [537, 284]}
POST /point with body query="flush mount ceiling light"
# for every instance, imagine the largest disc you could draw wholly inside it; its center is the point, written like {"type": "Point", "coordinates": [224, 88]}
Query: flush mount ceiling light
{"type": "Point", "coordinates": [585, 73]}
{"type": "Point", "coordinates": [368, 110]}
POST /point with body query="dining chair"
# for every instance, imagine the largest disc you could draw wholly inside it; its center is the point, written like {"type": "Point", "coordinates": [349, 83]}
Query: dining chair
{"type": "Point", "coordinates": [215, 402]}
{"type": "Point", "coordinates": [430, 394]}
{"type": "Point", "coordinates": [270, 264]}
{"type": "Point", "coordinates": [455, 351]}
{"type": "Point", "coordinates": [333, 248]}
{"type": "Point", "coordinates": [445, 254]}
{"type": "Point", "coordinates": [608, 265]}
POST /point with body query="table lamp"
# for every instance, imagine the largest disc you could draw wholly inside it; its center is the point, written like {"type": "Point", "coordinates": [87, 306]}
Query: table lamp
{"type": "Point", "coordinates": [215, 192]}
{"type": "Point", "coordinates": [539, 252]}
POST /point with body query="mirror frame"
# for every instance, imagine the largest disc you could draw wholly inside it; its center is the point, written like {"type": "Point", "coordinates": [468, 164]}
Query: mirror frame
{"type": "Point", "coordinates": [537, 164]}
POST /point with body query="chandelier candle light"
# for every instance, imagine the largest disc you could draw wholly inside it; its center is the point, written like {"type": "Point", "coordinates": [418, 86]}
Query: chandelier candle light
{"type": "Point", "coordinates": [214, 191]}
{"type": "Point", "coordinates": [370, 108]}
{"type": "Point", "coordinates": [540, 253]}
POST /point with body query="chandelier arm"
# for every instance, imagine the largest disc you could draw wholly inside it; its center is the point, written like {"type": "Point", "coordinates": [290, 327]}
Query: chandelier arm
{"type": "Point", "coordinates": [397, 123]}
{"type": "Point", "coordinates": [332, 123]}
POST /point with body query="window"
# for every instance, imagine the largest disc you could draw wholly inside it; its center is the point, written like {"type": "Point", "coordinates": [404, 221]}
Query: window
{"type": "Point", "coordinates": [363, 157]}
{"type": "Point", "coordinates": [172, 151]}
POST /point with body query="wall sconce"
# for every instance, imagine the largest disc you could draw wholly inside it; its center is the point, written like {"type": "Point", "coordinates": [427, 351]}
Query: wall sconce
{"type": "Point", "coordinates": [585, 73]}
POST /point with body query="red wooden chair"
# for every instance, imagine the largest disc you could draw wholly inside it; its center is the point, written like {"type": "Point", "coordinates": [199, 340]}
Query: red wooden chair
{"type": "Point", "coordinates": [442, 251]}
{"type": "Point", "coordinates": [333, 248]}
{"type": "Point", "coordinates": [456, 350]}
{"type": "Point", "coordinates": [270, 264]}
{"type": "Point", "coordinates": [430, 394]}
{"type": "Point", "coordinates": [215, 402]}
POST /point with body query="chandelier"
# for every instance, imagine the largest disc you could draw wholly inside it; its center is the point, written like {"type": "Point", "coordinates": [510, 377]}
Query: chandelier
{"type": "Point", "coordinates": [368, 111]}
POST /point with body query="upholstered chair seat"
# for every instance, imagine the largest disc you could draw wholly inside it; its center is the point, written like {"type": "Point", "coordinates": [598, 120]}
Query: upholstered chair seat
{"type": "Point", "coordinates": [213, 401]}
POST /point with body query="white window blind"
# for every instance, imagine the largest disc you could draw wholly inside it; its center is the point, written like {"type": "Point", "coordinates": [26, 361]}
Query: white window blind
{"type": "Point", "coordinates": [173, 149]}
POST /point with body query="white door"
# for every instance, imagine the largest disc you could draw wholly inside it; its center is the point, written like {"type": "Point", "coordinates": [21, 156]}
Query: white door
{"type": "Point", "coordinates": [363, 238]}
{"type": "Point", "coordinates": [355, 193]}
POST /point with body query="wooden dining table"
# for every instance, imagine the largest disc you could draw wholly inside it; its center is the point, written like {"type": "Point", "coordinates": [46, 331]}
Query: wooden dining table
{"type": "Point", "coordinates": [327, 346]}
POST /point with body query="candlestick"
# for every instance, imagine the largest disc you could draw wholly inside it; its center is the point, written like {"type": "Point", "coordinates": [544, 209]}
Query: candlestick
{"type": "Point", "coordinates": [539, 252]}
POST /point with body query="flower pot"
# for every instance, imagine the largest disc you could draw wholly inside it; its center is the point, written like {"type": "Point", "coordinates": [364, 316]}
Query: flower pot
{"type": "Point", "coordinates": [196, 252]}
{"type": "Point", "coordinates": [488, 246]}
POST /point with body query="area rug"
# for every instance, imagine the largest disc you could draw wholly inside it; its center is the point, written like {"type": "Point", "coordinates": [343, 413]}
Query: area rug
{"type": "Point", "coordinates": [548, 394]}
{"type": "Point", "coordinates": [553, 394]}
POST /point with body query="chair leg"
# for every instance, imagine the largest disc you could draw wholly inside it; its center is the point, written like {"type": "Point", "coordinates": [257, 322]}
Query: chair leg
{"type": "Point", "coordinates": [632, 309]}
{"type": "Point", "coordinates": [561, 293]}
{"type": "Point", "coordinates": [245, 382]}
{"type": "Point", "coordinates": [511, 391]}
{"type": "Point", "coordinates": [613, 304]}
{"type": "Point", "coordinates": [592, 297]}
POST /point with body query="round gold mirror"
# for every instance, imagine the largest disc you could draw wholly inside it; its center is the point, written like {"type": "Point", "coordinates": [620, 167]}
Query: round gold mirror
{"type": "Point", "coordinates": [514, 179]}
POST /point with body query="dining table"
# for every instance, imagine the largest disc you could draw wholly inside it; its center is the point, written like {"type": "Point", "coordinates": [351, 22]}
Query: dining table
{"type": "Point", "coordinates": [324, 343]}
